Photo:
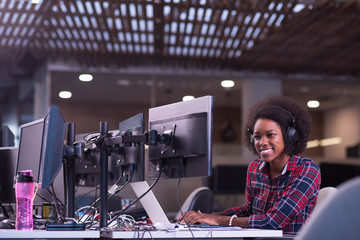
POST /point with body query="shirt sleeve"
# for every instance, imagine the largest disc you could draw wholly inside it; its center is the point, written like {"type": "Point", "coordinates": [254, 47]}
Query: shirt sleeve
{"type": "Point", "coordinates": [301, 187]}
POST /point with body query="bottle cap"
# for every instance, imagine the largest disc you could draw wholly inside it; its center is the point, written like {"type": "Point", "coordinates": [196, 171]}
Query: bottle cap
{"type": "Point", "coordinates": [25, 176]}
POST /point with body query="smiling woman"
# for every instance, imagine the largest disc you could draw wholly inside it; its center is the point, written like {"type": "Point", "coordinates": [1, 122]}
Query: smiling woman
{"type": "Point", "coordinates": [281, 187]}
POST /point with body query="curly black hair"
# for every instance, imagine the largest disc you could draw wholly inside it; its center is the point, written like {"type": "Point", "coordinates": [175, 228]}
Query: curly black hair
{"type": "Point", "coordinates": [283, 110]}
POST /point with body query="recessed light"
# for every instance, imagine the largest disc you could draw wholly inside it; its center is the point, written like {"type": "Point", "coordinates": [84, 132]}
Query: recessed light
{"type": "Point", "coordinates": [85, 77]}
{"type": "Point", "coordinates": [123, 82]}
{"type": "Point", "coordinates": [304, 89]}
{"type": "Point", "coordinates": [65, 94]}
{"type": "Point", "coordinates": [227, 83]}
{"type": "Point", "coordinates": [313, 104]}
{"type": "Point", "coordinates": [188, 97]}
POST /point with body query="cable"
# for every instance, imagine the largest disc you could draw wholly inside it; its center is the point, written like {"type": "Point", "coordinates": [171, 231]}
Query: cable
{"type": "Point", "coordinates": [58, 200]}
{"type": "Point", "coordinates": [178, 187]}
{"type": "Point", "coordinates": [6, 215]}
{"type": "Point", "coordinates": [91, 207]}
{"type": "Point", "coordinates": [136, 200]}
{"type": "Point", "coordinates": [92, 190]}
{"type": "Point", "coordinates": [56, 204]}
{"type": "Point", "coordinates": [118, 189]}
{"type": "Point", "coordinates": [126, 183]}
{"type": "Point", "coordinates": [182, 163]}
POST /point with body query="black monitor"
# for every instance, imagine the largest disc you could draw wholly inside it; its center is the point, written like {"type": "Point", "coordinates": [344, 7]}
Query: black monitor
{"type": "Point", "coordinates": [229, 179]}
{"type": "Point", "coordinates": [41, 147]}
{"type": "Point", "coordinates": [120, 162]}
{"type": "Point", "coordinates": [87, 169]}
{"type": "Point", "coordinates": [188, 150]}
{"type": "Point", "coordinates": [132, 156]}
{"type": "Point", "coordinates": [7, 137]}
{"type": "Point", "coordinates": [8, 156]}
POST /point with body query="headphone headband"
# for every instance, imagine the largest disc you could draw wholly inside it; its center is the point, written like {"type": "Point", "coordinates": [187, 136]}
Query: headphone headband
{"type": "Point", "coordinates": [291, 132]}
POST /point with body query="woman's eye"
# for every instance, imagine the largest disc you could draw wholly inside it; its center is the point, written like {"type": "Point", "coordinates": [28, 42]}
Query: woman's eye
{"type": "Point", "coordinates": [256, 137]}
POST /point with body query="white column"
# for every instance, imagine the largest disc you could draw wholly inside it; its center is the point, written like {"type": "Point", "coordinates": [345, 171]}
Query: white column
{"type": "Point", "coordinates": [252, 91]}
{"type": "Point", "coordinates": [42, 91]}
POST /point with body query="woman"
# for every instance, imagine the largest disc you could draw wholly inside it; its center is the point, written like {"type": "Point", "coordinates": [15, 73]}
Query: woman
{"type": "Point", "coordinates": [281, 186]}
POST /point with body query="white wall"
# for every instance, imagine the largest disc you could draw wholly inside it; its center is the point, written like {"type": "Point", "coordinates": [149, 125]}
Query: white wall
{"type": "Point", "coordinates": [344, 123]}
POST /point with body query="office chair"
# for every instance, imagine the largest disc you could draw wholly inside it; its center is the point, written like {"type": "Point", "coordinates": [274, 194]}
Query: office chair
{"type": "Point", "coordinates": [337, 217]}
{"type": "Point", "coordinates": [202, 198]}
{"type": "Point", "coordinates": [325, 193]}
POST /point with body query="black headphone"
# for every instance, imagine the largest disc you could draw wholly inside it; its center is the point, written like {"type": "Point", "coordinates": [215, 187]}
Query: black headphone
{"type": "Point", "coordinates": [291, 132]}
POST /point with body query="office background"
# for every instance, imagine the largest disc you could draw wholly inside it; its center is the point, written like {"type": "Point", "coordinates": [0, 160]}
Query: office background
{"type": "Point", "coordinates": [144, 54]}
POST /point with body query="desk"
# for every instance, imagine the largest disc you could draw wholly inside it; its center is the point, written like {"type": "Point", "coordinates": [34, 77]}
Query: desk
{"type": "Point", "coordinates": [186, 234]}
{"type": "Point", "coordinates": [179, 234]}
{"type": "Point", "coordinates": [43, 234]}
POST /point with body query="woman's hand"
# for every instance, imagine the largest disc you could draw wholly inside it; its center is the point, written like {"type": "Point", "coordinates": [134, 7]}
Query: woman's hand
{"type": "Point", "coordinates": [198, 217]}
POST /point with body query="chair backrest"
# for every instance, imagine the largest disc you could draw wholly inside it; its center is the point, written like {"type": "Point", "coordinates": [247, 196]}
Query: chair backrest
{"type": "Point", "coordinates": [201, 198]}
{"type": "Point", "coordinates": [324, 194]}
{"type": "Point", "coordinates": [337, 217]}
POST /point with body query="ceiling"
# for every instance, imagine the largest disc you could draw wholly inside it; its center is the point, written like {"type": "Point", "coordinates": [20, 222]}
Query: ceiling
{"type": "Point", "coordinates": [175, 44]}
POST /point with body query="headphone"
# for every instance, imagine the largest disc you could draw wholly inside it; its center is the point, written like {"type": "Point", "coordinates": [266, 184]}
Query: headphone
{"type": "Point", "coordinates": [291, 132]}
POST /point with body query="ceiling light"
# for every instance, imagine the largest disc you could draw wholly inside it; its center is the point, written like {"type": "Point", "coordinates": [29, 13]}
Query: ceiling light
{"type": "Point", "coordinates": [35, 1]}
{"type": "Point", "coordinates": [227, 83]}
{"type": "Point", "coordinates": [187, 98]}
{"type": "Point", "coordinates": [123, 82]}
{"type": "Point", "coordinates": [65, 94]}
{"type": "Point", "coordinates": [313, 104]}
{"type": "Point", "coordinates": [85, 77]}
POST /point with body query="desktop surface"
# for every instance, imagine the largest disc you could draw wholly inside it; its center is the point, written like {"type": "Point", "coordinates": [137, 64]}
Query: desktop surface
{"type": "Point", "coordinates": [224, 232]}
{"type": "Point", "coordinates": [219, 233]}
{"type": "Point", "coordinates": [43, 234]}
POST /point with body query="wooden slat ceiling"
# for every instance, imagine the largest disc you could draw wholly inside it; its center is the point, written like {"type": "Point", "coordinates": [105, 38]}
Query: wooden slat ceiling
{"type": "Point", "coordinates": [257, 35]}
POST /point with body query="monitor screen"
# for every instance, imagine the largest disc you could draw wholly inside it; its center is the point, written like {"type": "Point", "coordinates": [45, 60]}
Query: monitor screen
{"type": "Point", "coordinates": [229, 179]}
{"type": "Point", "coordinates": [41, 147]}
{"type": "Point", "coordinates": [188, 152]}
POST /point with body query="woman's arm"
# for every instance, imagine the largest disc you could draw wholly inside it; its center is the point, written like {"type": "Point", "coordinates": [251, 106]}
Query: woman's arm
{"type": "Point", "coordinates": [214, 219]}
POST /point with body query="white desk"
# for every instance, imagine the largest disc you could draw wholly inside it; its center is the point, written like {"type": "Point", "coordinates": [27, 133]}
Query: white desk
{"type": "Point", "coordinates": [179, 234]}
{"type": "Point", "coordinates": [214, 233]}
{"type": "Point", "coordinates": [43, 234]}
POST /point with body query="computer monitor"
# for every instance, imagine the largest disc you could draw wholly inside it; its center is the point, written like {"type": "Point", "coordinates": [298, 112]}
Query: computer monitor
{"type": "Point", "coordinates": [188, 150]}
{"type": "Point", "coordinates": [41, 147]}
{"type": "Point", "coordinates": [229, 179]}
{"type": "Point", "coordinates": [7, 137]}
{"type": "Point", "coordinates": [133, 156]}
{"type": "Point", "coordinates": [87, 169]}
{"type": "Point", "coordinates": [8, 156]}
{"type": "Point", "coordinates": [120, 162]}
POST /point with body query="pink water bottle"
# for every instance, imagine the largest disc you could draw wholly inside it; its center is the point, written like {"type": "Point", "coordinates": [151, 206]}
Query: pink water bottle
{"type": "Point", "coordinates": [24, 189]}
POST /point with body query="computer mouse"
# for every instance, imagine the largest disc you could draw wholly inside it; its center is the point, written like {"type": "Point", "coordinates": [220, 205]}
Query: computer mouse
{"type": "Point", "coordinates": [6, 224]}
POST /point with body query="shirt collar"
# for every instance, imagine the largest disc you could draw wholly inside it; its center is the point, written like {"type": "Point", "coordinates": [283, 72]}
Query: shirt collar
{"type": "Point", "coordinates": [289, 166]}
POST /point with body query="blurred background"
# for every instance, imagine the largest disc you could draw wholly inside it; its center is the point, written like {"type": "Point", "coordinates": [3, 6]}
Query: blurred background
{"type": "Point", "coordinates": [141, 54]}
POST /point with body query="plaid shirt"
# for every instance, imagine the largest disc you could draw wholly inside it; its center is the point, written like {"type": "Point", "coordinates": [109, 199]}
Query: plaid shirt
{"type": "Point", "coordinates": [286, 201]}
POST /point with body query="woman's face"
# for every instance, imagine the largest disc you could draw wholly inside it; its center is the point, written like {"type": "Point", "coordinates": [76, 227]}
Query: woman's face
{"type": "Point", "coordinates": [268, 139]}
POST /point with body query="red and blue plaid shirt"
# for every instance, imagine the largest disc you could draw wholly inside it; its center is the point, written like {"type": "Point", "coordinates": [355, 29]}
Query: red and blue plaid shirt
{"type": "Point", "coordinates": [286, 201]}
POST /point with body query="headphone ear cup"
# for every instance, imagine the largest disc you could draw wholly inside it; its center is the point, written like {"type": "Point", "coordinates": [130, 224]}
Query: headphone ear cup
{"type": "Point", "coordinates": [292, 134]}
{"type": "Point", "coordinates": [251, 139]}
